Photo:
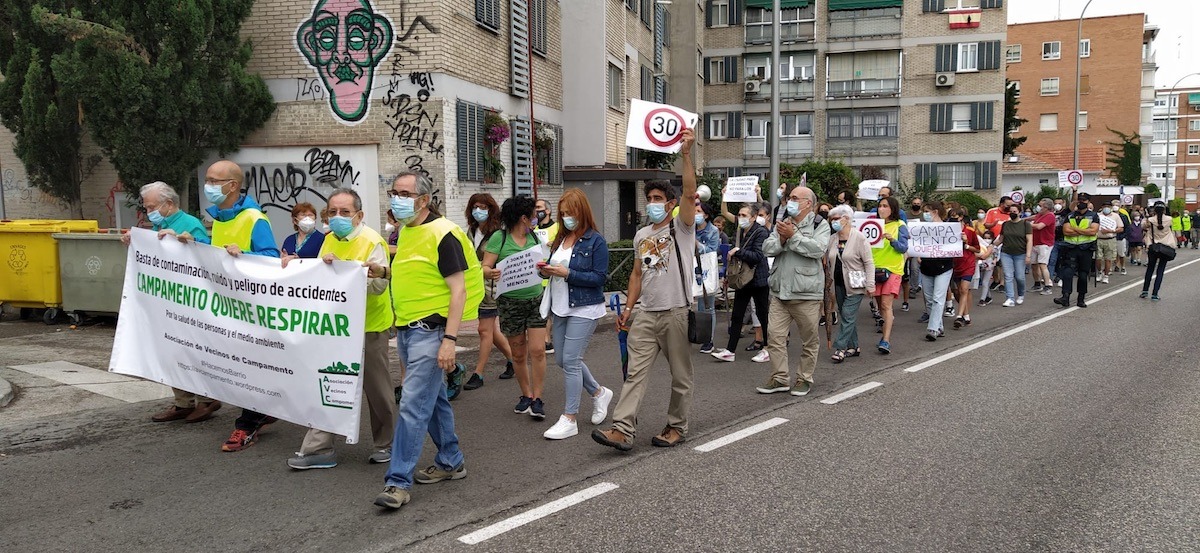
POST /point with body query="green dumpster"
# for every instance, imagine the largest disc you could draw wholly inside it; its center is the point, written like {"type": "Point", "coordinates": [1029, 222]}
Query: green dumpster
{"type": "Point", "coordinates": [92, 273]}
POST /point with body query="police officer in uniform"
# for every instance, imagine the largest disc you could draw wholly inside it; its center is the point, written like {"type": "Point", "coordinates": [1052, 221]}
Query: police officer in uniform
{"type": "Point", "coordinates": [1075, 258]}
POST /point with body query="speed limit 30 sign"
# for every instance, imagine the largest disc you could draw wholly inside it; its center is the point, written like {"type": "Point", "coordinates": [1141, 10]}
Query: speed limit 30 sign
{"type": "Point", "coordinates": [657, 127]}
{"type": "Point", "coordinates": [872, 230]}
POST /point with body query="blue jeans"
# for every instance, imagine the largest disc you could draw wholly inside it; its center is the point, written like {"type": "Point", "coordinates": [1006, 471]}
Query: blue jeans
{"type": "Point", "coordinates": [935, 297]}
{"type": "Point", "coordinates": [847, 335]}
{"type": "Point", "coordinates": [423, 408]}
{"type": "Point", "coordinates": [1014, 270]}
{"type": "Point", "coordinates": [571, 337]}
{"type": "Point", "coordinates": [1053, 263]}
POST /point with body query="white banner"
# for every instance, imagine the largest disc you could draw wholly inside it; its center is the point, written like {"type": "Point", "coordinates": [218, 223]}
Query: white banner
{"type": "Point", "coordinates": [709, 271]}
{"type": "Point", "coordinates": [283, 342]}
{"type": "Point", "coordinates": [741, 189]}
{"type": "Point", "coordinates": [935, 239]}
{"type": "Point", "coordinates": [869, 189]}
{"type": "Point", "coordinates": [520, 270]}
{"type": "Point", "coordinates": [657, 127]}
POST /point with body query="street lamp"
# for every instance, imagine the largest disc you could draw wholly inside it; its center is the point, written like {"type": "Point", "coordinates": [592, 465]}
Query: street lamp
{"type": "Point", "coordinates": [1078, 69]}
{"type": "Point", "coordinates": [1167, 146]}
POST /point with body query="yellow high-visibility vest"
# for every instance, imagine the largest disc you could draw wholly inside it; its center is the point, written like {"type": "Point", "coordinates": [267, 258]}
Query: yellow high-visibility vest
{"type": "Point", "coordinates": [379, 316]}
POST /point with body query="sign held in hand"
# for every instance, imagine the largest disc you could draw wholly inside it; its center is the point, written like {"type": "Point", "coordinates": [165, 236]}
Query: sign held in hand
{"type": "Point", "coordinates": [657, 127]}
{"type": "Point", "coordinates": [869, 189]}
{"type": "Point", "coordinates": [741, 189]}
{"type": "Point", "coordinates": [935, 239]}
{"type": "Point", "coordinates": [519, 270]}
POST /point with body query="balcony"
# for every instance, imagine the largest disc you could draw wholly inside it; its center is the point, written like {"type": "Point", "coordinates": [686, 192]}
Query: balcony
{"type": "Point", "coordinates": [794, 31]}
{"type": "Point", "coordinates": [863, 88]}
{"type": "Point", "coordinates": [788, 90]}
{"type": "Point", "coordinates": [789, 146]}
{"type": "Point", "coordinates": [864, 23]}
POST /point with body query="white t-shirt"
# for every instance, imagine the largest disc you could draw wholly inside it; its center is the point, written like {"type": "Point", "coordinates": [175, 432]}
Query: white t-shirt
{"type": "Point", "coordinates": [560, 300]}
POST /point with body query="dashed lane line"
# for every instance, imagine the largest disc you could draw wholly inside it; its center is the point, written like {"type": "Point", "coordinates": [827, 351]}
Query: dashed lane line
{"type": "Point", "coordinates": [740, 434]}
{"type": "Point", "coordinates": [832, 400]}
{"type": "Point", "coordinates": [532, 515]}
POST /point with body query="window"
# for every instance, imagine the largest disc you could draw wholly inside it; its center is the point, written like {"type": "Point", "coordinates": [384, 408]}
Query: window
{"type": "Point", "coordinates": [1051, 50]}
{"type": "Point", "coordinates": [537, 29]}
{"type": "Point", "coordinates": [1050, 86]}
{"type": "Point", "coordinates": [955, 175]}
{"type": "Point", "coordinates": [647, 12]}
{"type": "Point", "coordinates": [487, 13]}
{"type": "Point", "coordinates": [841, 125]}
{"type": "Point", "coordinates": [960, 117]}
{"type": "Point", "coordinates": [968, 56]}
{"type": "Point", "coordinates": [647, 84]}
{"type": "Point", "coordinates": [756, 127]}
{"type": "Point", "coordinates": [960, 4]}
{"type": "Point", "coordinates": [1194, 125]}
{"type": "Point", "coordinates": [863, 73]}
{"type": "Point", "coordinates": [1085, 48]}
{"type": "Point", "coordinates": [1165, 129]}
{"type": "Point", "coordinates": [1012, 54]}
{"type": "Point", "coordinates": [470, 119]}
{"type": "Point", "coordinates": [716, 70]}
{"type": "Point", "coordinates": [1194, 149]}
{"type": "Point", "coordinates": [864, 124]}
{"type": "Point", "coordinates": [879, 124]}
{"type": "Point", "coordinates": [720, 13]}
{"type": "Point", "coordinates": [1016, 86]}
{"type": "Point", "coordinates": [615, 87]}
{"type": "Point", "coordinates": [792, 66]}
{"type": "Point", "coordinates": [631, 5]}
{"type": "Point", "coordinates": [718, 128]}
{"type": "Point", "coordinates": [1193, 174]}
{"type": "Point", "coordinates": [795, 124]}
{"type": "Point", "coordinates": [758, 67]}
{"type": "Point", "coordinates": [1083, 122]}
{"type": "Point", "coordinates": [1049, 122]}
{"type": "Point", "coordinates": [699, 62]}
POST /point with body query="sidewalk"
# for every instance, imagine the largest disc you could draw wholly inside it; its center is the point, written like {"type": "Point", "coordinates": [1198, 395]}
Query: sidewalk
{"type": "Point", "coordinates": [6, 392]}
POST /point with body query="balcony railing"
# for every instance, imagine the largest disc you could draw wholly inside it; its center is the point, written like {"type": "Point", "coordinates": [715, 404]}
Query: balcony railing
{"type": "Point", "coordinates": [798, 31]}
{"type": "Point", "coordinates": [788, 90]}
{"type": "Point", "coordinates": [863, 87]}
{"type": "Point", "coordinates": [788, 146]}
{"type": "Point", "coordinates": [864, 27]}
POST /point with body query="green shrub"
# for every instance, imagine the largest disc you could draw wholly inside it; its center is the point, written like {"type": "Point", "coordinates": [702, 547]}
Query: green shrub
{"type": "Point", "coordinates": [970, 201]}
{"type": "Point", "coordinates": [620, 264]}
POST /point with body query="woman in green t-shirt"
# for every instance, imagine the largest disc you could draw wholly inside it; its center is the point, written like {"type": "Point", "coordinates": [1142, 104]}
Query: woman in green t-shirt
{"type": "Point", "coordinates": [520, 309]}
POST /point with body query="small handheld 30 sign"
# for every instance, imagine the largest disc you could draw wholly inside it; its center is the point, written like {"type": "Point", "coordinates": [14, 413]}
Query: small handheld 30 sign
{"type": "Point", "coordinates": [657, 127]}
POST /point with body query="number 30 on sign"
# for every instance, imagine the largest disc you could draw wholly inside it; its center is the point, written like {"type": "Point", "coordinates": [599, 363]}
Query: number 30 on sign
{"type": "Point", "coordinates": [657, 127]}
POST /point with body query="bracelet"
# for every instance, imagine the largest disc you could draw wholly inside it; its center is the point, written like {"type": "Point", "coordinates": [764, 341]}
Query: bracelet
{"type": "Point", "coordinates": [450, 337]}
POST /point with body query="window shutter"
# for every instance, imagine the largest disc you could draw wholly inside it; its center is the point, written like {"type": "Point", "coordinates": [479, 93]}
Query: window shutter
{"type": "Point", "coordinates": [734, 124]}
{"type": "Point", "coordinates": [940, 119]}
{"type": "Point", "coordinates": [708, 125]}
{"type": "Point", "coordinates": [645, 83]}
{"type": "Point", "coordinates": [982, 114]}
{"type": "Point", "coordinates": [985, 175]}
{"type": "Point", "coordinates": [946, 58]}
{"type": "Point", "coordinates": [538, 31]}
{"type": "Point", "coordinates": [660, 31]}
{"type": "Point", "coordinates": [708, 13]}
{"type": "Point", "coordinates": [990, 4]}
{"type": "Point", "coordinates": [989, 55]}
{"type": "Point", "coordinates": [929, 6]}
{"type": "Point", "coordinates": [660, 90]}
{"type": "Point", "coordinates": [737, 11]}
{"type": "Point", "coordinates": [519, 49]}
{"type": "Point", "coordinates": [731, 69]}
{"type": "Point", "coordinates": [926, 172]}
{"type": "Point", "coordinates": [708, 71]}
{"type": "Point", "coordinates": [469, 135]}
{"type": "Point", "coordinates": [522, 162]}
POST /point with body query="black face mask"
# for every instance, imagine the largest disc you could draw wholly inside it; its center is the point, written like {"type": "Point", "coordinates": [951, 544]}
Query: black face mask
{"type": "Point", "coordinates": [823, 214]}
{"type": "Point", "coordinates": [952, 220]}
{"type": "Point", "coordinates": [916, 207]}
{"type": "Point", "coordinates": [1013, 216]}
{"type": "Point", "coordinates": [541, 215]}
{"type": "Point", "coordinates": [1082, 208]}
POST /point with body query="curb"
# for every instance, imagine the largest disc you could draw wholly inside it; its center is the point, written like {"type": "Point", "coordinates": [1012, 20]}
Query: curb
{"type": "Point", "coordinates": [6, 392]}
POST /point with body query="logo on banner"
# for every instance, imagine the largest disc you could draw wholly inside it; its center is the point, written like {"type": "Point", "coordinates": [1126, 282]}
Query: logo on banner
{"type": "Point", "coordinates": [338, 383]}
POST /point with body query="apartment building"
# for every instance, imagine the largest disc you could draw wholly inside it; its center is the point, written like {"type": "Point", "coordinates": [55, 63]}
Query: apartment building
{"type": "Point", "coordinates": [915, 88]}
{"type": "Point", "coordinates": [1175, 151]}
{"type": "Point", "coordinates": [1116, 91]}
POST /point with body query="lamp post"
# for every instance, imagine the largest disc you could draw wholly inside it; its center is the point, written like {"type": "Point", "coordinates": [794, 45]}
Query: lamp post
{"type": "Point", "coordinates": [773, 127]}
{"type": "Point", "coordinates": [1167, 145]}
{"type": "Point", "coordinates": [1078, 69]}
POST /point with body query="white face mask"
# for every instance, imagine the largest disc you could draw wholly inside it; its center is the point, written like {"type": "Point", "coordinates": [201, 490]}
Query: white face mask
{"type": "Point", "coordinates": [762, 221]}
{"type": "Point", "coordinates": [307, 224]}
{"type": "Point", "coordinates": [743, 222]}
{"type": "Point", "coordinates": [388, 228]}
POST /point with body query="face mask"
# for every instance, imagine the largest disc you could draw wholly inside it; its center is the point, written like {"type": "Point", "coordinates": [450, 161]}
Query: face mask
{"type": "Point", "coordinates": [341, 226]}
{"type": "Point", "coordinates": [836, 226]}
{"type": "Point", "coordinates": [1037, 209]}
{"type": "Point", "coordinates": [793, 209]}
{"type": "Point", "coordinates": [307, 224]}
{"type": "Point", "coordinates": [325, 228]}
{"type": "Point", "coordinates": [570, 223]}
{"type": "Point", "coordinates": [744, 222]}
{"type": "Point", "coordinates": [1081, 208]}
{"type": "Point", "coordinates": [389, 228]}
{"type": "Point", "coordinates": [916, 207]}
{"type": "Point", "coordinates": [214, 194]}
{"type": "Point", "coordinates": [404, 209]}
{"type": "Point", "coordinates": [980, 215]}
{"type": "Point", "coordinates": [656, 212]}
{"type": "Point", "coordinates": [1057, 207]}
{"type": "Point", "coordinates": [1013, 216]}
{"type": "Point", "coordinates": [1025, 214]}
{"type": "Point", "coordinates": [1108, 211]}
{"type": "Point", "coordinates": [480, 215]}
{"type": "Point", "coordinates": [155, 217]}
{"type": "Point", "coordinates": [927, 216]}
{"type": "Point", "coordinates": [541, 215]}
{"type": "Point", "coordinates": [762, 221]}
{"type": "Point", "coordinates": [823, 214]}
{"type": "Point", "coordinates": [699, 218]}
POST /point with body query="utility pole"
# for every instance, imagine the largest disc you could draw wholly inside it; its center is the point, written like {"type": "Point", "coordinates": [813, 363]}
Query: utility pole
{"type": "Point", "coordinates": [773, 125]}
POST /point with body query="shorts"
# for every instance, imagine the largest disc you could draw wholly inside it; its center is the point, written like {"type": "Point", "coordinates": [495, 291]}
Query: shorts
{"type": "Point", "coordinates": [892, 286]}
{"type": "Point", "coordinates": [1041, 255]}
{"type": "Point", "coordinates": [1106, 250]}
{"type": "Point", "coordinates": [1136, 245]}
{"type": "Point", "coordinates": [965, 278]}
{"type": "Point", "coordinates": [1122, 248]}
{"type": "Point", "coordinates": [488, 313]}
{"type": "Point", "coordinates": [517, 316]}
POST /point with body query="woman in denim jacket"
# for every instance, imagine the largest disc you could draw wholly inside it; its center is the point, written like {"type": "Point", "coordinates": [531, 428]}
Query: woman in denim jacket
{"type": "Point", "coordinates": [577, 269]}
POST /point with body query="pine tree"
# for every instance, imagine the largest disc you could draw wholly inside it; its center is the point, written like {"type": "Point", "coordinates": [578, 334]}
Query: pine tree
{"type": "Point", "coordinates": [1012, 121]}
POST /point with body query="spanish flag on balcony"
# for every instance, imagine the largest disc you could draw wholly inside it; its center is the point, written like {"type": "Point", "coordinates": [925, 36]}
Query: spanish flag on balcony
{"type": "Point", "coordinates": [966, 18]}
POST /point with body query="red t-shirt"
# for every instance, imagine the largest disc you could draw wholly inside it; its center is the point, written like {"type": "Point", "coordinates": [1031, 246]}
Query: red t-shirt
{"type": "Point", "coordinates": [965, 265]}
{"type": "Point", "coordinates": [1044, 237]}
{"type": "Point", "coordinates": [995, 216]}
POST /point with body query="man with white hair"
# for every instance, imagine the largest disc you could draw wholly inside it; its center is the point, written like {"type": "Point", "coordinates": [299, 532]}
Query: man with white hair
{"type": "Point", "coordinates": [162, 209]}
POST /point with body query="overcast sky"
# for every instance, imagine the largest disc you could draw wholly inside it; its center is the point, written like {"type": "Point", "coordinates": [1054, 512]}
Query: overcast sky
{"type": "Point", "coordinates": [1177, 43]}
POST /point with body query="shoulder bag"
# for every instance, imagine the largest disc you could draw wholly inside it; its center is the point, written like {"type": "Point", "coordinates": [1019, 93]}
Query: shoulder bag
{"type": "Point", "coordinates": [699, 323]}
{"type": "Point", "coordinates": [1158, 248]}
{"type": "Point", "coordinates": [738, 273]}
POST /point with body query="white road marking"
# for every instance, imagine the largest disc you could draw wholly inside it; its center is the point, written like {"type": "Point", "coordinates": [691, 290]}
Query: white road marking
{"type": "Point", "coordinates": [1012, 331]}
{"type": "Point", "coordinates": [116, 386]}
{"type": "Point", "coordinates": [851, 393]}
{"type": "Point", "coordinates": [535, 514]}
{"type": "Point", "coordinates": [740, 434]}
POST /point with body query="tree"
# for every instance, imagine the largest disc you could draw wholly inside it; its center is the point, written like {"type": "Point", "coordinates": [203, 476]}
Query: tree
{"type": "Point", "coordinates": [825, 178]}
{"type": "Point", "coordinates": [1125, 158]}
{"type": "Point", "coordinates": [42, 115]}
{"type": "Point", "coordinates": [927, 190]}
{"type": "Point", "coordinates": [1012, 121]}
{"type": "Point", "coordinates": [1052, 192]}
{"type": "Point", "coordinates": [161, 82]}
{"type": "Point", "coordinates": [969, 201]}
{"type": "Point", "coordinates": [1153, 191]}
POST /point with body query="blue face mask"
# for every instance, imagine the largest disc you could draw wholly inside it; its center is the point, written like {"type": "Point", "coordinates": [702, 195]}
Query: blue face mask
{"type": "Point", "coordinates": [341, 226]}
{"type": "Point", "coordinates": [404, 209]}
{"type": "Point", "coordinates": [214, 194]}
{"type": "Point", "coordinates": [699, 218]}
{"type": "Point", "coordinates": [837, 226]}
{"type": "Point", "coordinates": [927, 217]}
{"type": "Point", "coordinates": [155, 217]}
{"type": "Point", "coordinates": [793, 209]}
{"type": "Point", "coordinates": [480, 215]}
{"type": "Point", "coordinates": [656, 212]}
{"type": "Point", "coordinates": [570, 222]}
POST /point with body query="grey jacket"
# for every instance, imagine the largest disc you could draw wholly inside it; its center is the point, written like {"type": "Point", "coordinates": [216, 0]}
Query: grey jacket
{"type": "Point", "coordinates": [798, 272]}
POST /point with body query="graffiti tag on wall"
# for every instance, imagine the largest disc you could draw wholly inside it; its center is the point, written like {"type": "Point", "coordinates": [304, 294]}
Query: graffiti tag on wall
{"type": "Point", "coordinates": [413, 127]}
{"type": "Point", "coordinates": [344, 41]}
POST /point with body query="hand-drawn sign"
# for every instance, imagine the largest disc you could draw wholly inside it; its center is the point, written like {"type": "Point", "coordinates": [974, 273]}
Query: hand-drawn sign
{"type": "Point", "coordinates": [872, 229]}
{"type": "Point", "coordinates": [1017, 196]}
{"type": "Point", "coordinates": [657, 127]}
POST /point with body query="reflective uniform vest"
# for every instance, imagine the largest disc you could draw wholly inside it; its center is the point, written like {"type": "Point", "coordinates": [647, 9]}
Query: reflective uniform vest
{"type": "Point", "coordinates": [1080, 223]}
{"type": "Point", "coordinates": [379, 317]}
{"type": "Point", "coordinates": [425, 291]}
{"type": "Point", "coordinates": [237, 230]}
{"type": "Point", "coordinates": [887, 257]}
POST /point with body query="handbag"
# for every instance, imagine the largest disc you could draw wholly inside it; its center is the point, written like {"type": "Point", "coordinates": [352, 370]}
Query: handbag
{"type": "Point", "coordinates": [739, 273]}
{"type": "Point", "coordinates": [699, 324]}
{"type": "Point", "coordinates": [882, 276]}
{"type": "Point", "coordinates": [1162, 250]}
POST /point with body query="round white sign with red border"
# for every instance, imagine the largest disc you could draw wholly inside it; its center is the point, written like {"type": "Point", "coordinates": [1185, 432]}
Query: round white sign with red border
{"type": "Point", "coordinates": [872, 229]}
{"type": "Point", "coordinates": [1017, 196]}
{"type": "Point", "coordinates": [1127, 199]}
{"type": "Point", "coordinates": [664, 126]}
{"type": "Point", "coordinates": [1074, 177]}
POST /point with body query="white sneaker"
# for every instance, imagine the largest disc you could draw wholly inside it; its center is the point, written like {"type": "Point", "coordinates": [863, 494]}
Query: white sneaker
{"type": "Point", "coordinates": [563, 429]}
{"type": "Point", "coordinates": [1104, 279]}
{"type": "Point", "coordinates": [762, 357]}
{"type": "Point", "coordinates": [724, 355]}
{"type": "Point", "coordinates": [600, 405]}
{"type": "Point", "coordinates": [1008, 303]}
{"type": "Point", "coordinates": [1020, 300]}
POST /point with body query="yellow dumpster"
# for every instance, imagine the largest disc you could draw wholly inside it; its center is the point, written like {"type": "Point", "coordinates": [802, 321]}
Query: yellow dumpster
{"type": "Point", "coordinates": [29, 253]}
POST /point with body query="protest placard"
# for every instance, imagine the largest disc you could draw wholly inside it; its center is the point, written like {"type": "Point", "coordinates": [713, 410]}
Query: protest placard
{"type": "Point", "coordinates": [284, 342]}
{"type": "Point", "coordinates": [520, 270]}
{"type": "Point", "coordinates": [741, 189]}
{"type": "Point", "coordinates": [935, 239]}
{"type": "Point", "coordinates": [869, 189]}
{"type": "Point", "coordinates": [657, 127]}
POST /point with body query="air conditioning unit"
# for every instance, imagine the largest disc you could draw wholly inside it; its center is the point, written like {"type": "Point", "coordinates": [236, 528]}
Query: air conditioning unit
{"type": "Point", "coordinates": [752, 86]}
{"type": "Point", "coordinates": [944, 79]}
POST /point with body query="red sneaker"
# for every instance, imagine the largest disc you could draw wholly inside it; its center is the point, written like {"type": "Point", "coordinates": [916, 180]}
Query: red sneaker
{"type": "Point", "coordinates": [239, 440]}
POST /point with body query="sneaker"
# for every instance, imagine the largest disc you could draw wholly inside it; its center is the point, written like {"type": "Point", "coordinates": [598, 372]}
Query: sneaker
{"type": "Point", "coordinates": [1037, 287]}
{"type": "Point", "coordinates": [563, 429]}
{"type": "Point", "coordinates": [523, 404]}
{"type": "Point", "coordinates": [434, 474]}
{"type": "Point", "coordinates": [931, 336]}
{"type": "Point", "coordinates": [600, 405]}
{"type": "Point", "coordinates": [762, 357]}
{"type": "Point", "coordinates": [707, 348]}
{"type": "Point", "coordinates": [455, 380]}
{"type": "Point", "coordinates": [1124, 272]}
{"type": "Point", "coordinates": [239, 440]}
{"type": "Point", "coordinates": [724, 355]}
{"type": "Point", "coordinates": [613, 438]}
{"type": "Point", "coordinates": [987, 301]}
{"type": "Point", "coordinates": [392, 497]}
{"type": "Point", "coordinates": [1009, 303]}
{"type": "Point", "coordinates": [669, 437]}
{"type": "Point", "coordinates": [960, 322]}
{"type": "Point", "coordinates": [537, 409]}
{"type": "Point", "coordinates": [924, 318]}
{"type": "Point", "coordinates": [1144, 294]}
{"type": "Point", "coordinates": [1104, 279]}
{"type": "Point", "coordinates": [801, 388]}
{"type": "Point", "coordinates": [315, 461]}
{"type": "Point", "coordinates": [884, 347]}
{"type": "Point", "coordinates": [949, 311]}
{"type": "Point", "coordinates": [773, 386]}
{"type": "Point", "coordinates": [1020, 300]}
{"type": "Point", "coordinates": [1047, 291]}
{"type": "Point", "coordinates": [941, 332]}
{"type": "Point", "coordinates": [380, 457]}
{"type": "Point", "coordinates": [755, 346]}
{"type": "Point", "coordinates": [474, 383]}
{"type": "Point", "coordinates": [508, 371]}
{"type": "Point", "coordinates": [1152, 298]}
{"type": "Point", "coordinates": [549, 348]}
{"type": "Point", "coordinates": [904, 306]}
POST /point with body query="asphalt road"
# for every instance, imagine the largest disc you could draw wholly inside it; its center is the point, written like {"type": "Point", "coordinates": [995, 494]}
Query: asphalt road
{"type": "Point", "coordinates": [1078, 433]}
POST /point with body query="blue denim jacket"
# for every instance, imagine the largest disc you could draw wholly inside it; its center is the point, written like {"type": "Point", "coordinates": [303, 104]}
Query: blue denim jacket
{"type": "Point", "coordinates": [588, 270]}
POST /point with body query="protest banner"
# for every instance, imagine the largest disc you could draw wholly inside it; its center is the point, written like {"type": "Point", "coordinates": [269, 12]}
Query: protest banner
{"type": "Point", "coordinates": [657, 127]}
{"type": "Point", "coordinates": [741, 189]}
{"type": "Point", "coordinates": [520, 270]}
{"type": "Point", "coordinates": [935, 239]}
{"type": "Point", "coordinates": [283, 342]}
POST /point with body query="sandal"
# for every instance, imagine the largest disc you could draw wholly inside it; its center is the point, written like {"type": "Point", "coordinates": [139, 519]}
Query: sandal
{"type": "Point", "coordinates": [838, 356]}
{"type": "Point", "coordinates": [852, 352]}
{"type": "Point", "coordinates": [755, 346]}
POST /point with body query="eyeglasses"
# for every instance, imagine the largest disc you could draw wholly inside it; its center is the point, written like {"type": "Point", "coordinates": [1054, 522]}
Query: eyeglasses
{"type": "Point", "coordinates": [217, 182]}
{"type": "Point", "coordinates": [403, 194]}
{"type": "Point", "coordinates": [342, 213]}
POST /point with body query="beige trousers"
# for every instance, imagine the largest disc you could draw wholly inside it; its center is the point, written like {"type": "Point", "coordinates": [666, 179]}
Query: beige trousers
{"type": "Point", "coordinates": [651, 333]}
{"type": "Point", "coordinates": [377, 391]}
{"type": "Point", "coordinates": [186, 400]}
{"type": "Point", "coordinates": [806, 314]}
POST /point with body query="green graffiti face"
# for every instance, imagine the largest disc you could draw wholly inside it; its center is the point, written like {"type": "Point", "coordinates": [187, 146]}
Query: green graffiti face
{"type": "Point", "coordinates": [344, 41]}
